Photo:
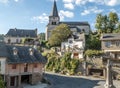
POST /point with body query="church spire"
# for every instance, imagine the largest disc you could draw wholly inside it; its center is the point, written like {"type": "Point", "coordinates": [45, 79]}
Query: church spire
{"type": "Point", "coordinates": [54, 10]}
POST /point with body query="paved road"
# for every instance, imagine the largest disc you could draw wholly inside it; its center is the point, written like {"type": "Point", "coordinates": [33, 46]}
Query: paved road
{"type": "Point", "coordinates": [58, 81]}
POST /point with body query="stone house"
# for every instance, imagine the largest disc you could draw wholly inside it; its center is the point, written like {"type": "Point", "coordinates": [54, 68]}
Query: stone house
{"type": "Point", "coordinates": [15, 36]}
{"type": "Point", "coordinates": [20, 64]}
{"type": "Point", "coordinates": [111, 45]}
{"type": "Point", "coordinates": [75, 27]}
{"type": "Point", "coordinates": [75, 46]}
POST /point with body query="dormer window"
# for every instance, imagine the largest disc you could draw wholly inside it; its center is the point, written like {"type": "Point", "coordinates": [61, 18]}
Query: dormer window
{"type": "Point", "coordinates": [31, 51]}
{"type": "Point", "coordinates": [15, 51]}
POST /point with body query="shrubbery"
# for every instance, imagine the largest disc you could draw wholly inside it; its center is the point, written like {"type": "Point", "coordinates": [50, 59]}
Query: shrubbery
{"type": "Point", "coordinates": [1, 83]}
{"type": "Point", "coordinates": [64, 65]}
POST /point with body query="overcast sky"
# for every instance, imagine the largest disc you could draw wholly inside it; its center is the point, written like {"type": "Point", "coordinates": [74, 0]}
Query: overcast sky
{"type": "Point", "coordinates": [31, 14]}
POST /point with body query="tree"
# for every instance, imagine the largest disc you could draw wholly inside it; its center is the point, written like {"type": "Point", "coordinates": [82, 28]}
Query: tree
{"type": "Point", "coordinates": [106, 24]}
{"type": "Point", "coordinates": [118, 28]}
{"type": "Point", "coordinates": [93, 42]}
{"type": "Point", "coordinates": [113, 20]}
{"type": "Point", "coordinates": [99, 21]}
{"type": "Point", "coordinates": [41, 36]}
{"type": "Point", "coordinates": [59, 34]}
{"type": "Point", "coordinates": [1, 83]}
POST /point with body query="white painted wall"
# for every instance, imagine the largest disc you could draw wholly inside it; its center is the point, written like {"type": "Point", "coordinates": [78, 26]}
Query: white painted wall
{"type": "Point", "coordinates": [2, 67]}
{"type": "Point", "coordinates": [13, 39]}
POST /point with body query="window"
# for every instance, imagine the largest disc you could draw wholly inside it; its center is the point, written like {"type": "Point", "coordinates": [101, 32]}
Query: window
{"type": "Point", "coordinates": [53, 23]}
{"type": "Point", "coordinates": [70, 41]}
{"type": "Point", "coordinates": [25, 67]}
{"type": "Point", "coordinates": [14, 66]}
{"type": "Point", "coordinates": [117, 43]}
{"type": "Point", "coordinates": [17, 40]}
{"type": "Point", "coordinates": [9, 41]}
{"type": "Point", "coordinates": [35, 65]}
{"type": "Point", "coordinates": [76, 54]}
{"type": "Point", "coordinates": [108, 44]}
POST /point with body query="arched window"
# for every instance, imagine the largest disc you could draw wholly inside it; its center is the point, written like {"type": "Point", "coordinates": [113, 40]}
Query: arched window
{"type": "Point", "coordinates": [53, 23]}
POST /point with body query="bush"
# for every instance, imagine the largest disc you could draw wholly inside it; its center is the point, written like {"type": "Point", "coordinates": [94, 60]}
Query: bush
{"type": "Point", "coordinates": [64, 65]}
{"type": "Point", "coordinates": [2, 83]}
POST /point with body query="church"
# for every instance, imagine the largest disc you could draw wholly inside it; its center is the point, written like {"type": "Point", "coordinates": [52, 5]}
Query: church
{"type": "Point", "coordinates": [75, 27]}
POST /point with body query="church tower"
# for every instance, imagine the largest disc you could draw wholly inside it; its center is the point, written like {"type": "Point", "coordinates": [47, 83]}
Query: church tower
{"type": "Point", "coordinates": [54, 20]}
{"type": "Point", "coordinates": [54, 17]}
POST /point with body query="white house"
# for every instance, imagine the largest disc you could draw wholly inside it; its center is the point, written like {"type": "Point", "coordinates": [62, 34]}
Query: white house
{"type": "Point", "coordinates": [75, 46]}
{"type": "Point", "coordinates": [16, 35]}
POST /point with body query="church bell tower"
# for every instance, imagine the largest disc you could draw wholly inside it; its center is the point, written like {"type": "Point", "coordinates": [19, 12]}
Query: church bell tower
{"type": "Point", "coordinates": [54, 20]}
{"type": "Point", "coordinates": [54, 17]}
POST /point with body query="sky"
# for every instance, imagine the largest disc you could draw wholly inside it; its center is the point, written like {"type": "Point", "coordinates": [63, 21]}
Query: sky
{"type": "Point", "coordinates": [32, 14]}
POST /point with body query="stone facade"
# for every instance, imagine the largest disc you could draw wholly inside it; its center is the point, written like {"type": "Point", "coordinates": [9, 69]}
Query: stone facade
{"type": "Point", "coordinates": [111, 45]}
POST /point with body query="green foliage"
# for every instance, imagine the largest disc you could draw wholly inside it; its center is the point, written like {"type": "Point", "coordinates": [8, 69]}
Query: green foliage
{"type": "Point", "coordinates": [26, 40]}
{"type": "Point", "coordinates": [41, 36]}
{"type": "Point", "coordinates": [91, 53]}
{"type": "Point", "coordinates": [59, 34]}
{"type": "Point", "coordinates": [106, 24]}
{"type": "Point", "coordinates": [64, 65]}
{"type": "Point", "coordinates": [1, 83]}
{"type": "Point", "coordinates": [118, 28]}
{"type": "Point", "coordinates": [93, 42]}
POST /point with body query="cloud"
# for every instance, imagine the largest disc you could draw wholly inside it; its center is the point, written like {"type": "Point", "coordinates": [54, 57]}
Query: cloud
{"type": "Point", "coordinates": [67, 14]}
{"type": "Point", "coordinates": [69, 6]}
{"type": "Point", "coordinates": [16, 0]}
{"type": "Point", "coordinates": [91, 10]}
{"type": "Point", "coordinates": [103, 2]}
{"type": "Point", "coordinates": [42, 18]}
{"type": "Point", "coordinates": [112, 2]}
{"type": "Point", "coordinates": [7, 1]}
{"type": "Point", "coordinates": [80, 2]}
{"type": "Point", "coordinates": [4, 1]}
{"type": "Point", "coordinates": [68, 1]}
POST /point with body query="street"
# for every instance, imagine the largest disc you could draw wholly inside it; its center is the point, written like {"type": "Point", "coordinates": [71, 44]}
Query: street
{"type": "Point", "coordinates": [58, 81]}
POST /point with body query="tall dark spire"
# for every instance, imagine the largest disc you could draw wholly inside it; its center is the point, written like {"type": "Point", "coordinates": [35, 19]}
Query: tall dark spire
{"type": "Point", "coordinates": [54, 10]}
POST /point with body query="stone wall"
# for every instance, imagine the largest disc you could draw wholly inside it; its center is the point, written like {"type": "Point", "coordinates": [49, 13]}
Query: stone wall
{"type": "Point", "coordinates": [36, 77]}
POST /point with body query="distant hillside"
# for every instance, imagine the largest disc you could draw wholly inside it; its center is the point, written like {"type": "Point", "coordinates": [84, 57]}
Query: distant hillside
{"type": "Point", "coordinates": [1, 37]}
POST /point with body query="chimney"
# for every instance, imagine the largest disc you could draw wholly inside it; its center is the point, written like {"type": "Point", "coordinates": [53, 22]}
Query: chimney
{"type": "Point", "coordinates": [15, 51]}
{"type": "Point", "coordinates": [31, 51]}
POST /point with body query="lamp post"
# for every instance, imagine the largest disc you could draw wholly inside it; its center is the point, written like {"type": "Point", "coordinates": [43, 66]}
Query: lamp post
{"type": "Point", "coordinates": [109, 80]}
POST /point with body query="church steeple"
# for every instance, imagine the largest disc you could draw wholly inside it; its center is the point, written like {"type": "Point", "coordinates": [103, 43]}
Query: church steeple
{"type": "Point", "coordinates": [54, 10]}
{"type": "Point", "coordinates": [54, 18]}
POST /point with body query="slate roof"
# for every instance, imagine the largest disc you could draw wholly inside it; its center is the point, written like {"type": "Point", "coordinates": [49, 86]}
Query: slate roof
{"type": "Point", "coordinates": [23, 55]}
{"type": "Point", "coordinates": [22, 33]}
{"type": "Point", "coordinates": [110, 36]}
{"type": "Point", "coordinates": [76, 23]}
{"type": "Point", "coordinates": [54, 12]}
